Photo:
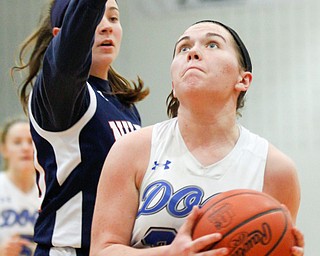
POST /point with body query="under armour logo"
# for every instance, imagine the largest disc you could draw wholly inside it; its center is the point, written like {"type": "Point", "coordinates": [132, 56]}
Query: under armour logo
{"type": "Point", "coordinates": [165, 166]}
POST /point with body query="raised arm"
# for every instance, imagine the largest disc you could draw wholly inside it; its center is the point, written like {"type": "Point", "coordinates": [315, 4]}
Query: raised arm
{"type": "Point", "coordinates": [60, 89]}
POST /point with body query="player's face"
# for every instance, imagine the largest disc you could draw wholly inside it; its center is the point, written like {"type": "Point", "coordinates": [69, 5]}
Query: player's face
{"type": "Point", "coordinates": [18, 149]}
{"type": "Point", "coordinates": [205, 61]}
{"type": "Point", "coordinates": [108, 37]}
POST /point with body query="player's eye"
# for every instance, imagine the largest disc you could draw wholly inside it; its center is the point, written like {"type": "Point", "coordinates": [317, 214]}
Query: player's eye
{"type": "Point", "coordinates": [185, 49]}
{"type": "Point", "coordinates": [114, 19]}
{"type": "Point", "coordinates": [212, 45]}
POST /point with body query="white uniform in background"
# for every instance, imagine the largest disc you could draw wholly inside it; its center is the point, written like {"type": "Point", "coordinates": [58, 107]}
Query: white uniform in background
{"type": "Point", "coordinates": [18, 210]}
{"type": "Point", "coordinates": [175, 181]}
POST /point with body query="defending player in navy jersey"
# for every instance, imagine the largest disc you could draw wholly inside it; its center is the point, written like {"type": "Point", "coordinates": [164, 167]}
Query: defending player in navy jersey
{"type": "Point", "coordinates": [152, 193]}
{"type": "Point", "coordinates": [78, 107]}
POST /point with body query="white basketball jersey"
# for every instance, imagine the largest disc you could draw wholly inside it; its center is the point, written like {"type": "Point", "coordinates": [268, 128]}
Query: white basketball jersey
{"type": "Point", "coordinates": [175, 181]}
{"type": "Point", "coordinates": [18, 210]}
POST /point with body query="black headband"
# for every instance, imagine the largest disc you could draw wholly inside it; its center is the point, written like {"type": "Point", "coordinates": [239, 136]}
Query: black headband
{"type": "Point", "coordinates": [240, 44]}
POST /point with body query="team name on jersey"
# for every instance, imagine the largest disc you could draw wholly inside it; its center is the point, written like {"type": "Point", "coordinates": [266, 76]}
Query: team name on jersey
{"type": "Point", "coordinates": [160, 194]}
{"type": "Point", "coordinates": [12, 217]}
{"type": "Point", "coordinates": [121, 128]}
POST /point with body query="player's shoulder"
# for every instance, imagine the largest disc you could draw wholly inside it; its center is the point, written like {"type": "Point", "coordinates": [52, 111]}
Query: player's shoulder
{"type": "Point", "coordinates": [135, 148]}
{"type": "Point", "coordinates": [137, 136]}
{"type": "Point", "coordinates": [134, 140]}
{"type": "Point", "coordinates": [280, 169]}
{"type": "Point", "coordinates": [281, 179]}
{"type": "Point", "coordinates": [278, 160]}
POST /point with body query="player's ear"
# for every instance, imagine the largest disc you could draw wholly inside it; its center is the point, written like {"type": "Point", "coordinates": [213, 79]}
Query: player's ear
{"type": "Point", "coordinates": [55, 31]}
{"type": "Point", "coordinates": [244, 81]}
{"type": "Point", "coordinates": [173, 91]}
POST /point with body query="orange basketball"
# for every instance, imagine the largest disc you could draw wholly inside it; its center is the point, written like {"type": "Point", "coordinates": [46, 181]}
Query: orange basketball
{"type": "Point", "coordinates": [252, 223]}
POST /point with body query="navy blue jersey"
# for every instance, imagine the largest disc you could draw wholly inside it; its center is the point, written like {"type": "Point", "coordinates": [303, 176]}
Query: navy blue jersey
{"type": "Point", "coordinates": [74, 122]}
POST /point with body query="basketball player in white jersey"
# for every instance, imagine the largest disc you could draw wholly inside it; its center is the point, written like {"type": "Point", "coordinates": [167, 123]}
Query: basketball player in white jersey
{"type": "Point", "coordinates": [146, 196]}
{"type": "Point", "coordinates": [19, 201]}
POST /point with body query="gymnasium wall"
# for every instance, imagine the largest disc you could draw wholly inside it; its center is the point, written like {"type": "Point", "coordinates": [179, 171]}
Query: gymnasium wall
{"type": "Point", "coordinates": [283, 38]}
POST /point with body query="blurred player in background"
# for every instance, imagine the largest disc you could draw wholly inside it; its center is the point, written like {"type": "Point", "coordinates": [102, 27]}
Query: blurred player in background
{"type": "Point", "coordinates": [78, 107]}
{"type": "Point", "coordinates": [145, 197]}
{"type": "Point", "coordinates": [19, 200]}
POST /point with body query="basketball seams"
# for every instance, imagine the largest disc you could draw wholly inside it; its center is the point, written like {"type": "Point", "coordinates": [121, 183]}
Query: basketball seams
{"type": "Point", "coordinates": [219, 206]}
{"type": "Point", "coordinates": [233, 195]}
{"type": "Point", "coordinates": [245, 191]}
{"type": "Point", "coordinates": [256, 216]}
{"type": "Point", "coordinates": [282, 235]}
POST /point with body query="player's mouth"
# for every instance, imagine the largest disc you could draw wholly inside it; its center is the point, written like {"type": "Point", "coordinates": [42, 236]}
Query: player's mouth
{"type": "Point", "coordinates": [192, 68]}
{"type": "Point", "coordinates": [107, 43]}
{"type": "Point", "coordinates": [26, 158]}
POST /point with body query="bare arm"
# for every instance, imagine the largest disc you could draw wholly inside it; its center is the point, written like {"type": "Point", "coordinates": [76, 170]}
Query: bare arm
{"type": "Point", "coordinates": [117, 198]}
{"type": "Point", "coordinates": [117, 205]}
{"type": "Point", "coordinates": [281, 180]}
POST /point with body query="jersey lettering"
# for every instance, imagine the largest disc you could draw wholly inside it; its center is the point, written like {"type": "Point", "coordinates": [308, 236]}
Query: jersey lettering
{"type": "Point", "coordinates": [11, 218]}
{"type": "Point", "coordinates": [121, 128]}
{"type": "Point", "coordinates": [160, 194]}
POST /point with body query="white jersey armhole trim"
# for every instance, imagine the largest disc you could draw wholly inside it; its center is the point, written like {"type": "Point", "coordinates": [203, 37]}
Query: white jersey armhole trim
{"type": "Point", "coordinates": [68, 140]}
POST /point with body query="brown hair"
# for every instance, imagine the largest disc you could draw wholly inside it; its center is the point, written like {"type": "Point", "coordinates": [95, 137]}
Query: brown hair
{"type": "Point", "coordinates": [39, 40]}
{"type": "Point", "coordinates": [243, 59]}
